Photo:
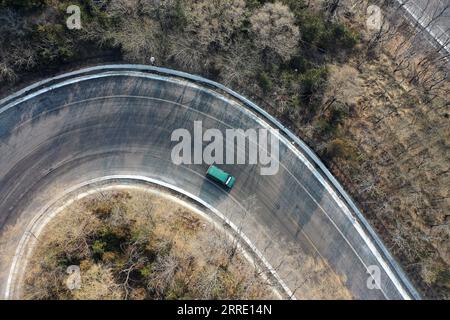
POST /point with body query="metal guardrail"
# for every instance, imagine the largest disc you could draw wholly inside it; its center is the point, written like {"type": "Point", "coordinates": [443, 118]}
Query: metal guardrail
{"type": "Point", "coordinates": [312, 157]}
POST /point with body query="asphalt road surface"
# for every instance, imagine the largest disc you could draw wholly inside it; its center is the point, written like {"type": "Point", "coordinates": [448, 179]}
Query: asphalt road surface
{"type": "Point", "coordinates": [118, 120]}
{"type": "Point", "coordinates": [434, 16]}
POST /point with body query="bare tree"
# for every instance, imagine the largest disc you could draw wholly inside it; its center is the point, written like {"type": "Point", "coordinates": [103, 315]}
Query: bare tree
{"type": "Point", "coordinates": [213, 22]}
{"type": "Point", "coordinates": [210, 27]}
{"type": "Point", "coordinates": [275, 31]}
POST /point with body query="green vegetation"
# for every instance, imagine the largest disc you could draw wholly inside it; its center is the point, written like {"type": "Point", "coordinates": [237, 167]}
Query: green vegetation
{"type": "Point", "coordinates": [328, 38]}
{"type": "Point", "coordinates": [55, 47]}
{"type": "Point", "coordinates": [340, 148]}
{"type": "Point", "coordinates": [264, 81]}
{"type": "Point", "coordinates": [311, 82]}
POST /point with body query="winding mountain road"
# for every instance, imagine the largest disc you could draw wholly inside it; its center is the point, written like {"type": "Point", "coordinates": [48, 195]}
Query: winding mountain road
{"type": "Point", "coordinates": [117, 121]}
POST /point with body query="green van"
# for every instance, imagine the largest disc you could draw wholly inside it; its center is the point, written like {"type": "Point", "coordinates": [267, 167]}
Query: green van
{"type": "Point", "coordinates": [220, 176]}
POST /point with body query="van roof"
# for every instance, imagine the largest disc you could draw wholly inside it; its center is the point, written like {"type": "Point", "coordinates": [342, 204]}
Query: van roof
{"type": "Point", "coordinates": [218, 173]}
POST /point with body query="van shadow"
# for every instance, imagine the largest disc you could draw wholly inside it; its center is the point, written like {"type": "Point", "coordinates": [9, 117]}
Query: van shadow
{"type": "Point", "coordinates": [212, 192]}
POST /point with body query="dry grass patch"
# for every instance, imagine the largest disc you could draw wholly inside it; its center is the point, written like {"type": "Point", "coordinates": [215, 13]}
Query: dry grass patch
{"type": "Point", "coordinates": [135, 245]}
